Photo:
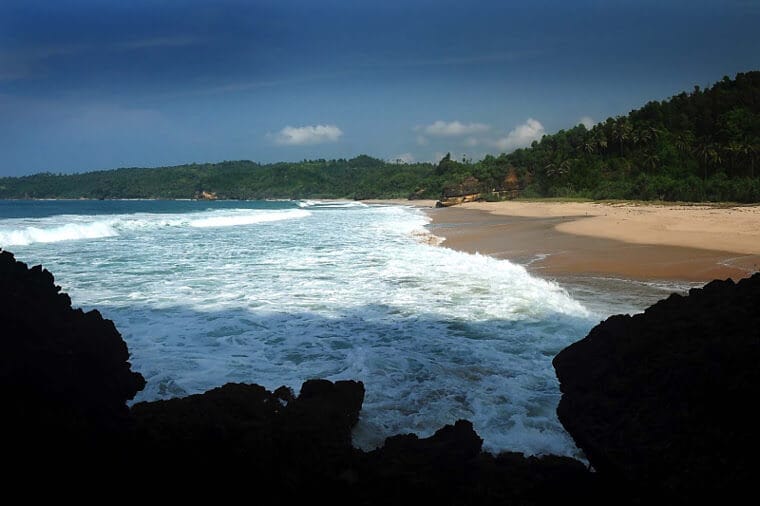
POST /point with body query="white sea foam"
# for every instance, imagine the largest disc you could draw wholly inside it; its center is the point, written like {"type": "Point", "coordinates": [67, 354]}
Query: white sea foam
{"type": "Point", "coordinates": [22, 232]}
{"type": "Point", "coordinates": [248, 218]}
{"type": "Point", "coordinates": [23, 236]}
{"type": "Point", "coordinates": [330, 204]}
{"type": "Point", "coordinates": [337, 293]}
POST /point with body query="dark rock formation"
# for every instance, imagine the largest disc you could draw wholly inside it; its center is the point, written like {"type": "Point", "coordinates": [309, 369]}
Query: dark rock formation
{"type": "Point", "coordinates": [660, 401]}
{"type": "Point", "coordinates": [301, 447]}
{"type": "Point", "coordinates": [450, 468]}
{"type": "Point", "coordinates": [65, 379]}
{"type": "Point", "coordinates": [277, 438]}
{"type": "Point", "coordinates": [64, 374]}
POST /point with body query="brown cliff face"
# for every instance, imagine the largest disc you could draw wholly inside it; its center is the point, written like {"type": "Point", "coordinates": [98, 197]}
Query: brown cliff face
{"type": "Point", "coordinates": [660, 401]}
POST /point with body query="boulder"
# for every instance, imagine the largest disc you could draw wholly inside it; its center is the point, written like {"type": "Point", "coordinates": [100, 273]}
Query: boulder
{"type": "Point", "coordinates": [279, 439]}
{"type": "Point", "coordinates": [660, 401]}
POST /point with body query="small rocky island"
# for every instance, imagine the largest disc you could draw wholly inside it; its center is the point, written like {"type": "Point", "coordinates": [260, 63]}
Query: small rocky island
{"type": "Point", "coordinates": [658, 402]}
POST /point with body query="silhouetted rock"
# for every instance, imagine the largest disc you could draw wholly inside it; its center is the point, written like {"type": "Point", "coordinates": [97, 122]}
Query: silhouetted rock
{"type": "Point", "coordinates": [450, 468]}
{"type": "Point", "coordinates": [65, 380]}
{"type": "Point", "coordinates": [64, 374]}
{"type": "Point", "coordinates": [660, 401]}
{"type": "Point", "coordinates": [300, 443]}
{"type": "Point", "coordinates": [301, 447]}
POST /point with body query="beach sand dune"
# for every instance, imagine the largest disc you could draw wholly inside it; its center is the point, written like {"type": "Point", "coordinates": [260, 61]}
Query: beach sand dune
{"type": "Point", "coordinates": [674, 242]}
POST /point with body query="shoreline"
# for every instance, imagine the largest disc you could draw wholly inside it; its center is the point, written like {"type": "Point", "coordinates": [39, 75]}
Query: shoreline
{"type": "Point", "coordinates": [621, 240]}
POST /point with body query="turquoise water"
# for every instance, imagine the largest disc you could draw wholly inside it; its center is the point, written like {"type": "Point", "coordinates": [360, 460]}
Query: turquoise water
{"type": "Point", "coordinates": [279, 292]}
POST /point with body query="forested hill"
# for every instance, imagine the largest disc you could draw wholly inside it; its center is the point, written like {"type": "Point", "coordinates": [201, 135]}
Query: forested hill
{"type": "Point", "coordinates": [702, 145]}
{"type": "Point", "coordinates": [696, 146]}
{"type": "Point", "coordinates": [360, 177]}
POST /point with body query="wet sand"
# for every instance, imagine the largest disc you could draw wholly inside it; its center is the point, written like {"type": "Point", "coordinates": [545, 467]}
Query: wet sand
{"type": "Point", "coordinates": [563, 240]}
{"type": "Point", "coordinates": [424, 203]}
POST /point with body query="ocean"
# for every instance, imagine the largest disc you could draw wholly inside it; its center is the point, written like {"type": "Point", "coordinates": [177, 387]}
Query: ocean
{"type": "Point", "coordinates": [278, 292]}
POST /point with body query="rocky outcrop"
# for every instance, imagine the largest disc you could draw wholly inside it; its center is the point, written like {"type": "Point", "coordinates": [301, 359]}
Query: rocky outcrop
{"type": "Point", "coordinates": [65, 377]}
{"type": "Point", "coordinates": [205, 195]}
{"type": "Point", "coordinates": [301, 447]}
{"type": "Point", "coordinates": [449, 467]}
{"type": "Point", "coordinates": [279, 439]}
{"type": "Point", "coordinates": [660, 401]}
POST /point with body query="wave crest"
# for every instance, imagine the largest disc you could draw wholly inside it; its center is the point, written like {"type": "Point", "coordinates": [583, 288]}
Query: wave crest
{"type": "Point", "coordinates": [49, 230]}
{"type": "Point", "coordinates": [68, 232]}
{"type": "Point", "coordinates": [249, 218]}
{"type": "Point", "coordinates": [330, 204]}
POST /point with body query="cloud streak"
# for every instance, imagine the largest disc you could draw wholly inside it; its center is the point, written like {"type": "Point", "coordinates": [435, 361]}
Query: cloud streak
{"type": "Point", "coordinates": [507, 56]}
{"type": "Point", "coordinates": [156, 42]}
{"type": "Point", "coordinates": [307, 135]}
{"type": "Point", "coordinates": [454, 128]}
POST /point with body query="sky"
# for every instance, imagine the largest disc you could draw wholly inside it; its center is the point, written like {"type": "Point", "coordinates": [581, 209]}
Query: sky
{"type": "Point", "coordinates": [87, 85]}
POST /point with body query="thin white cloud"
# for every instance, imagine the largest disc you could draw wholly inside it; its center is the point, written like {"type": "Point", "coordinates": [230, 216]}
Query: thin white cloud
{"type": "Point", "coordinates": [587, 121]}
{"type": "Point", "coordinates": [153, 42]}
{"type": "Point", "coordinates": [307, 135]}
{"type": "Point", "coordinates": [422, 140]}
{"type": "Point", "coordinates": [454, 128]}
{"type": "Point", "coordinates": [506, 56]}
{"type": "Point", "coordinates": [26, 62]}
{"type": "Point", "coordinates": [403, 158]}
{"type": "Point", "coordinates": [521, 136]}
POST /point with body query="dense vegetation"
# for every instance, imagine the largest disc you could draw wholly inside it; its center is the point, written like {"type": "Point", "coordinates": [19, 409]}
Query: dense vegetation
{"type": "Point", "coordinates": [360, 177]}
{"type": "Point", "coordinates": [697, 146]}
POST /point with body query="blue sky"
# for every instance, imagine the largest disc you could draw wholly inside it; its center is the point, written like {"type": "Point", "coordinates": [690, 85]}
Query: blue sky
{"type": "Point", "coordinates": [90, 84]}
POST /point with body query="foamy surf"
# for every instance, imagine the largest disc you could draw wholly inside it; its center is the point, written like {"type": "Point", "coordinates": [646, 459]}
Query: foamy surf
{"type": "Point", "coordinates": [333, 292]}
{"type": "Point", "coordinates": [23, 236]}
{"type": "Point", "coordinates": [23, 232]}
{"type": "Point", "coordinates": [330, 204]}
{"type": "Point", "coordinates": [248, 218]}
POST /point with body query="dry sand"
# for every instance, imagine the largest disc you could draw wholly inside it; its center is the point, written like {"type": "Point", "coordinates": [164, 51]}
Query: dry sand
{"type": "Point", "coordinates": [674, 242]}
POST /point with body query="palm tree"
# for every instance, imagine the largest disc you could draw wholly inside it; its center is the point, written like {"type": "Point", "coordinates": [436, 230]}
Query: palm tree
{"type": "Point", "coordinates": [684, 142]}
{"type": "Point", "coordinates": [559, 168]}
{"type": "Point", "coordinates": [708, 154]}
{"type": "Point", "coordinates": [651, 160]}
{"type": "Point", "coordinates": [752, 151]}
{"type": "Point", "coordinates": [642, 137]}
{"type": "Point", "coordinates": [621, 132]}
{"type": "Point", "coordinates": [749, 151]}
{"type": "Point", "coordinates": [601, 141]}
{"type": "Point", "coordinates": [733, 149]}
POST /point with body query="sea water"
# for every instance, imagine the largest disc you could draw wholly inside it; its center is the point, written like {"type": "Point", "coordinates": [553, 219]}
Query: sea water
{"type": "Point", "coordinates": [278, 292]}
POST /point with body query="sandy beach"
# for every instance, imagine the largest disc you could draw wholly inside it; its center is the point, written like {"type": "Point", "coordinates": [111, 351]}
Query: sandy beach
{"type": "Point", "coordinates": [647, 242]}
